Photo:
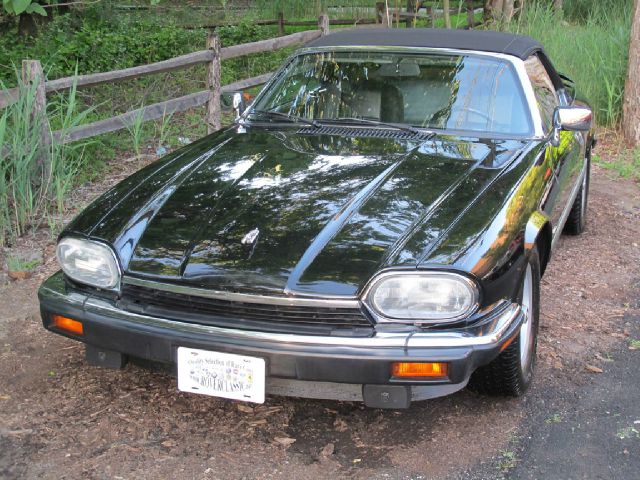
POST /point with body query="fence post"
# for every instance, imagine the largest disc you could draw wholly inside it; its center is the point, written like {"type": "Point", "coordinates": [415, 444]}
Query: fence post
{"type": "Point", "coordinates": [32, 74]}
{"type": "Point", "coordinates": [380, 7]}
{"type": "Point", "coordinates": [470, 14]}
{"type": "Point", "coordinates": [323, 24]}
{"type": "Point", "coordinates": [411, 8]}
{"type": "Point", "coordinates": [280, 23]}
{"type": "Point", "coordinates": [213, 84]}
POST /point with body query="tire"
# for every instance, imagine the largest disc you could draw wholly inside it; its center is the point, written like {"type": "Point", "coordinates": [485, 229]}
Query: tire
{"type": "Point", "coordinates": [510, 373]}
{"type": "Point", "coordinates": [577, 218]}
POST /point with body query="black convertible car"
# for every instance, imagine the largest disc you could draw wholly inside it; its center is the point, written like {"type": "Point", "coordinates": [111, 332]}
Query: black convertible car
{"type": "Point", "coordinates": [373, 227]}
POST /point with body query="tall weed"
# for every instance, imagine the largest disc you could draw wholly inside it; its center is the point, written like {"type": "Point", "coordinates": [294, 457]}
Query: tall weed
{"type": "Point", "coordinates": [590, 45]}
{"type": "Point", "coordinates": [29, 190]}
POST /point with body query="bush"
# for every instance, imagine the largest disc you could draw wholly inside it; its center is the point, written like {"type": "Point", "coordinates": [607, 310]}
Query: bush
{"type": "Point", "coordinates": [98, 45]}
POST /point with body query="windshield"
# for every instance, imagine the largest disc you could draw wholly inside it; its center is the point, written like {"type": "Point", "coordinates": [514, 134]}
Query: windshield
{"type": "Point", "coordinates": [433, 91]}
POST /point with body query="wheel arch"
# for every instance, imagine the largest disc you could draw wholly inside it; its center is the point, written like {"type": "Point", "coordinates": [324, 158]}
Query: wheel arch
{"type": "Point", "coordinates": [538, 233]}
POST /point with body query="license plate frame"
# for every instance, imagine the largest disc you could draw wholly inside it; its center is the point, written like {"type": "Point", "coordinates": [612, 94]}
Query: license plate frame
{"type": "Point", "coordinates": [219, 374]}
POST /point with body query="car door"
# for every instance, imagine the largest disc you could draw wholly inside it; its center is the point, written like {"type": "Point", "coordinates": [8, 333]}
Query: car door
{"type": "Point", "coordinates": [564, 160]}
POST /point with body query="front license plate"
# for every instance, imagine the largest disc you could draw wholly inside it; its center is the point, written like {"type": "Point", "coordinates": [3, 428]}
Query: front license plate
{"type": "Point", "coordinates": [221, 374]}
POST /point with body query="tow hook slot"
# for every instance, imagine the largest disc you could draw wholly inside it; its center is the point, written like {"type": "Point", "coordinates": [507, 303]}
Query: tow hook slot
{"type": "Point", "coordinates": [100, 357]}
{"type": "Point", "coordinates": [386, 396]}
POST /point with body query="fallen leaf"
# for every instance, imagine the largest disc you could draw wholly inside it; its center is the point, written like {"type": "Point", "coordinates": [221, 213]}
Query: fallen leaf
{"type": "Point", "coordinates": [265, 411]}
{"type": "Point", "coordinates": [19, 275]}
{"type": "Point", "coordinates": [603, 359]}
{"type": "Point", "coordinates": [20, 431]}
{"type": "Point", "coordinates": [340, 425]}
{"type": "Point", "coordinates": [284, 441]}
{"type": "Point", "coordinates": [592, 369]}
{"type": "Point", "coordinates": [244, 408]}
{"type": "Point", "coordinates": [168, 443]}
{"type": "Point", "coordinates": [327, 450]}
{"type": "Point", "coordinates": [255, 423]}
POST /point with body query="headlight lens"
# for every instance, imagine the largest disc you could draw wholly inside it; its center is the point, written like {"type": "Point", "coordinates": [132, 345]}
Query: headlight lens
{"type": "Point", "coordinates": [88, 262]}
{"type": "Point", "coordinates": [426, 296]}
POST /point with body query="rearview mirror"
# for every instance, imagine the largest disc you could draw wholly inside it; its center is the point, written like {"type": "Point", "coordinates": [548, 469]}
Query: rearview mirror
{"type": "Point", "coordinates": [573, 119]}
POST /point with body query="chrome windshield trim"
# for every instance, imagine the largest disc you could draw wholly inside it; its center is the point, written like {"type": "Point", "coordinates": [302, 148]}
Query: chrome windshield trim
{"type": "Point", "coordinates": [297, 301]}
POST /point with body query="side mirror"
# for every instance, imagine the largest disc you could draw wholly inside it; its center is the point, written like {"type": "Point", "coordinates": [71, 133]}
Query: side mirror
{"type": "Point", "coordinates": [573, 119]}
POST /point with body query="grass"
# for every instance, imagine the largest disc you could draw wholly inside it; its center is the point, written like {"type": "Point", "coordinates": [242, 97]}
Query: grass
{"type": "Point", "coordinates": [555, 418]}
{"type": "Point", "coordinates": [628, 432]}
{"type": "Point", "coordinates": [17, 264]}
{"type": "Point", "coordinates": [634, 344]}
{"type": "Point", "coordinates": [31, 189]}
{"type": "Point", "coordinates": [508, 460]}
{"type": "Point", "coordinates": [626, 165]}
{"type": "Point", "coordinates": [592, 50]}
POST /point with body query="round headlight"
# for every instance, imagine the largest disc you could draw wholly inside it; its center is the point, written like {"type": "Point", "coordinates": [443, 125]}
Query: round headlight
{"type": "Point", "coordinates": [88, 262]}
{"type": "Point", "coordinates": [422, 296]}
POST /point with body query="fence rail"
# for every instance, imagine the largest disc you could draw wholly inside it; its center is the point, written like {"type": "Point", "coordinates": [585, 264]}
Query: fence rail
{"type": "Point", "coordinates": [212, 57]}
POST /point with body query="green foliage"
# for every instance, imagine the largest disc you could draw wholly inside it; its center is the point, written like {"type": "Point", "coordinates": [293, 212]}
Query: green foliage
{"type": "Point", "coordinates": [94, 44]}
{"type": "Point", "coordinates": [592, 48]}
{"type": "Point", "coordinates": [623, 166]}
{"type": "Point", "coordinates": [18, 264]}
{"type": "Point", "coordinates": [18, 7]}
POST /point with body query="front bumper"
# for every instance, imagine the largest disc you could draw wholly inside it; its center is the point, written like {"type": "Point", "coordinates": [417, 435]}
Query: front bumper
{"type": "Point", "coordinates": [299, 365]}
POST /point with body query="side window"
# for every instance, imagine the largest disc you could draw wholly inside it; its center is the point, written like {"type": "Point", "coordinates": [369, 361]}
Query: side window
{"type": "Point", "coordinates": [543, 89]}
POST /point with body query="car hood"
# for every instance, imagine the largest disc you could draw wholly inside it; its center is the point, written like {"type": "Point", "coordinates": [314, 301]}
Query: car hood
{"type": "Point", "coordinates": [284, 211]}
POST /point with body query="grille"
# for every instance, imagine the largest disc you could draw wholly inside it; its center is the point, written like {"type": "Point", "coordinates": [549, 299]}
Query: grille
{"type": "Point", "coordinates": [362, 132]}
{"type": "Point", "coordinates": [249, 316]}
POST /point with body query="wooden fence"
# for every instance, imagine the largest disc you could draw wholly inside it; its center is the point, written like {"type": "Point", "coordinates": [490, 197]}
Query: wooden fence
{"type": "Point", "coordinates": [32, 74]}
{"type": "Point", "coordinates": [213, 55]}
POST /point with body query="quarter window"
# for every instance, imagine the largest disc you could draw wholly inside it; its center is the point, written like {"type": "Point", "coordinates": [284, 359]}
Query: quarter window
{"type": "Point", "coordinates": [543, 89]}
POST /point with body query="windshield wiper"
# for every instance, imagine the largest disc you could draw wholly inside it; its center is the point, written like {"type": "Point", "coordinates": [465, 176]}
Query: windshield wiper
{"type": "Point", "coordinates": [398, 126]}
{"type": "Point", "coordinates": [286, 116]}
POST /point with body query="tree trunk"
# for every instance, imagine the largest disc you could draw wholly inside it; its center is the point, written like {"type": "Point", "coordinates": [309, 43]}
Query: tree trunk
{"type": "Point", "coordinates": [498, 12]}
{"type": "Point", "coordinates": [631, 107]}
{"type": "Point", "coordinates": [27, 25]}
{"type": "Point", "coordinates": [508, 10]}
{"type": "Point", "coordinates": [493, 11]}
{"type": "Point", "coordinates": [557, 6]}
{"type": "Point", "coordinates": [447, 16]}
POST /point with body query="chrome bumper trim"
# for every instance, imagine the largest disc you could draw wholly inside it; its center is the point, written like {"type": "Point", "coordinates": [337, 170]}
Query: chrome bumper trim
{"type": "Point", "coordinates": [298, 301]}
{"type": "Point", "coordinates": [349, 392]}
{"type": "Point", "coordinates": [490, 332]}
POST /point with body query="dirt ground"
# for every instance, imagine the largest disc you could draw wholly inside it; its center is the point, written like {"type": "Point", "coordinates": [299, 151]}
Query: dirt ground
{"type": "Point", "coordinates": [60, 418]}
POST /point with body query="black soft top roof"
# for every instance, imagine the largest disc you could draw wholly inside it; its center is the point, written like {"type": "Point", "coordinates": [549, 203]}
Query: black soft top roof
{"type": "Point", "coordinates": [478, 40]}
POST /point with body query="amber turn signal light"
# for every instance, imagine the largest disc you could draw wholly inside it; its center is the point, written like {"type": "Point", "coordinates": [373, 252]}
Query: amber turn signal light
{"type": "Point", "coordinates": [419, 369]}
{"type": "Point", "coordinates": [68, 325]}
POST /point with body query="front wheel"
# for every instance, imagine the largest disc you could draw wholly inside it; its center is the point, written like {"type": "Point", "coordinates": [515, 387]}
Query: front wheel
{"type": "Point", "coordinates": [511, 373]}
